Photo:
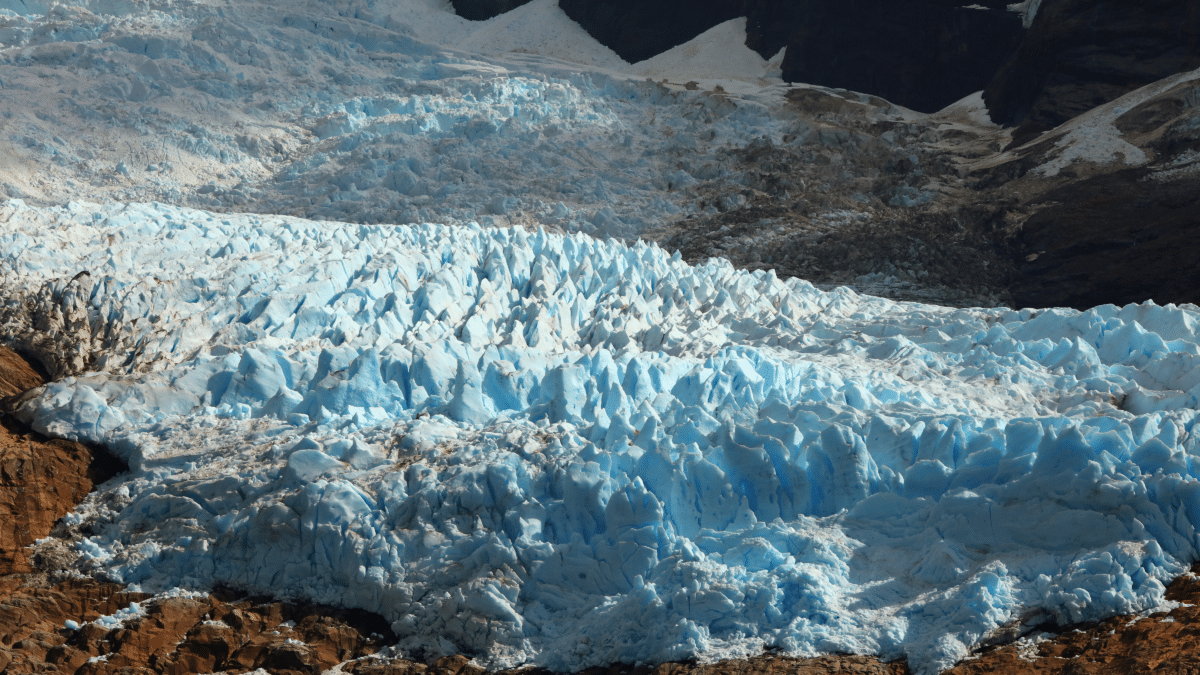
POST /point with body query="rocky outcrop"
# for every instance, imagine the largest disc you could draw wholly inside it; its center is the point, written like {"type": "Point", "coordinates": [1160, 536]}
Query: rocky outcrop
{"type": "Point", "coordinates": [480, 10]}
{"type": "Point", "coordinates": [1118, 223]}
{"type": "Point", "coordinates": [921, 54]}
{"type": "Point", "coordinates": [16, 374]}
{"type": "Point", "coordinates": [41, 479]}
{"type": "Point", "coordinates": [1166, 643]}
{"type": "Point", "coordinates": [1116, 238]}
{"type": "Point", "coordinates": [1081, 53]}
{"type": "Point", "coordinates": [639, 29]}
{"type": "Point", "coordinates": [176, 636]}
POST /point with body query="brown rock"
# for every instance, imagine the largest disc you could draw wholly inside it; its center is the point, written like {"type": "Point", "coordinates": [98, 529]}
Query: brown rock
{"type": "Point", "coordinates": [455, 665]}
{"type": "Point", "coordinates": [16, 375]}
{"type": "Point", "coordinates": [67, 658]}
{"type": "Point", "coordinates": [332, 640]}
{"type": "Point", "coordinates": [41, 479]}
{"type": "Point", "coordinates": [1166, 643]}
{"type": "Point", "coordinates": [384, 667]}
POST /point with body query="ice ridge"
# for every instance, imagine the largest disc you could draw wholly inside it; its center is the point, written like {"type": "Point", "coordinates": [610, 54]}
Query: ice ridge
{"type": "Point", "coordinates": [548, 449]}
{"type": "Point", "coordinates": [367, 112]}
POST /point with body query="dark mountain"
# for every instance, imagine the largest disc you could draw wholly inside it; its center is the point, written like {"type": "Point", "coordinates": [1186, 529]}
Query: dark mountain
{"type": "Point", "coordinates": [481, 10]}
{"type": "Point", "coordinates": [1082, 53]}
{"type": "Point", "coordinates": [920, 54]}
{"type": "Point", "coordinates": [639, 29]}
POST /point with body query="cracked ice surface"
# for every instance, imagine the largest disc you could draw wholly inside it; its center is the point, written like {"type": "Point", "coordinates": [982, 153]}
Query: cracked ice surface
{"type": "Point", "coordinates": [553, 450]}
{"type": "Point", "coordinates": [360, 110]}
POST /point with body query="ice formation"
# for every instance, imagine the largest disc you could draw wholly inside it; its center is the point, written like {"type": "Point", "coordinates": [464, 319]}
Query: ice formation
{"type": "Point", "coordinates": [547, 449]}
{"type": "Point", "coordinates": [362, 111]}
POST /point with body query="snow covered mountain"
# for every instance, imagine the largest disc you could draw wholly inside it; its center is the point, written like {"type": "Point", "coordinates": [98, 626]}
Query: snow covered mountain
{"type": "Point", "coordinates": [356, 290]}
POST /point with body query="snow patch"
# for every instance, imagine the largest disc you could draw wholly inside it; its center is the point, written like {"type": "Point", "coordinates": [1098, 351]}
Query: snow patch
{"type": "Point", "coordinates": [1093, 136]}
{"type": "Point", "coordinates": [1028, 10]}
{"type": "Point", "coordinates": [717, 57]}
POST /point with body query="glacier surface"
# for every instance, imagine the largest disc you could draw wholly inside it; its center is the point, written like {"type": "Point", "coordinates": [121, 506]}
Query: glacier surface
{"type": "Point", "coordinates": [548, 449]}
{"type": "Point", "coordinates": [366, 111]}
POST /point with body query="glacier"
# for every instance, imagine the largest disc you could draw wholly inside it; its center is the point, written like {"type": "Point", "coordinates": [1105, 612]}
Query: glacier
{"type": "Point", "coordinates": [547, 449]}
{"type": "Point", "coordinates": [365, 111]}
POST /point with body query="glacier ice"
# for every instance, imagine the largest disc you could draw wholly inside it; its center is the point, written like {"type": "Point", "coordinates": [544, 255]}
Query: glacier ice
{"type": "Point", "coordinates": [549, 449]}
{"type": "Point", "coordinates": [362, 111]}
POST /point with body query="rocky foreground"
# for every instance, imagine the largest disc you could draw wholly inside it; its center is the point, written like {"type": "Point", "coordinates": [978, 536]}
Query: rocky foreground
{"type": "Point", "coordinates": [42, 479]}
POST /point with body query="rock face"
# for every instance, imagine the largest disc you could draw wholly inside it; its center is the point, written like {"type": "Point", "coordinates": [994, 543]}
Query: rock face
{"type": "Point", "coordinates": [1164, 642]}
{"type": "Point", "coordinates": [479, 10]}
{"type": "Point", "coordinates": [16, 374]}
{"type": "Point", "coordinates": [1118, 228]}
{"type": "Point", "coordinates": [1114, 239]}
{"type": "Point", "coordinates": [176, 636]}
{"type": "Point", "coordinates": [921, 54]}
{"type": "Point", "coordinates": [1081, 53]}
{"type": "Point", "coordinates": [40, 479]}
{"type": "Point", "coordinates": [639, 29]}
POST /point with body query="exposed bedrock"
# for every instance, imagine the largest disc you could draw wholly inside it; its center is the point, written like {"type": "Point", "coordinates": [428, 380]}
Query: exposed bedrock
{"type": "Point", "coordinates": [639, 29]}
{"type": "Point", "coordinates": [1082, 53]}
{"type": "Point", "coordinates": [920, 54]}
{"type": "Point", "coordinates": [1116, 238]}
{"type": "Point", "coordinates": [1118, 223]}
{"type": "Point", "coordinates": [480, 10]}
{"type": "Point", "coordinates": [41, 479]}
{"type": "Point", "coordinates": [121, 632]}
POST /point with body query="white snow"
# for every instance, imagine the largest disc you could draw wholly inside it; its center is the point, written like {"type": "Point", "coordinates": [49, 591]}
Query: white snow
{"type": "Point", "coordinates": [1093, 136]}
{"type": "Point", "coordinates": [366, 111]}
{"type": "Point", "coordinates": [1028, 10]}
{"type": "Point", "coordinates": [541, 28]}
{"type": "Point", "coordinates": [970, 109]}
{"type": "Point", "coordinates": [530, 447]}
{"type": "Point", "coordinates": [718, 57]}
{"type": "Point", "coordinates": [554, 450]}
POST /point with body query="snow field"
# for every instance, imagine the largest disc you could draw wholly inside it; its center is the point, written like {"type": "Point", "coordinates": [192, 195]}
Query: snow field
{"type": "Point", "coordinates": [547, 449]}
{"type": "Point", "coordinates": [362, 112]}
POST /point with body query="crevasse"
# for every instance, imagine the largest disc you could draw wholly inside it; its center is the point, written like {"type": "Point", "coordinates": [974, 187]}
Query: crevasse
{"type": "Point", "coordinates": [554, 450]}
